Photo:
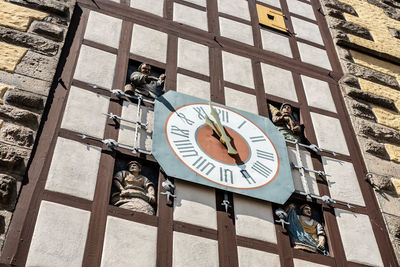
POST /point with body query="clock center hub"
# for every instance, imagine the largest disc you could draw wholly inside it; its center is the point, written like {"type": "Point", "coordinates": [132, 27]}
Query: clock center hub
{"type": "Point", "coordinates": [212, 146]}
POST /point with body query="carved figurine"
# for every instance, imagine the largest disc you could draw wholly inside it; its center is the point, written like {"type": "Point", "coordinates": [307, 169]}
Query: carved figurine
{"type": "Point", "coordinates": [134, 191]}
{"type": "Point", "coordinates": [144, 84]}
{"type": "Point", "coordinates": [286, 122]}
{"type": "Point", "coordinates": [305, 232]}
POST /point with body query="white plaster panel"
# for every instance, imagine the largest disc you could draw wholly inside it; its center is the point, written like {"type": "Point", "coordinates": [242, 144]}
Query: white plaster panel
{"type": "Point", "coordinates": [342, 181]}
{"type": "Point", "coordinates": [195, 204]}
{"type": "Point", "coordinates": [306, 160]}
{"type": "Point", "coordinates": [301, 8]}
{"type": "Point", "coordinates": [191, 250]}
{"type": "Point", "coordinates": [193, 56]}
{"type": "Point", "coordinates": [237, 69]}
{"type": "Point", "coordinates": [190, 16]}
{"type": "Point", "coordinates": [235, 30]}
{"type": "Point", "coordinates": [237, 8]}
{"type": "Point", "coordinates": [103, 29]}
{"type": "Point", "coordinates": [149, 43]}
{"type": "Point", "coordinates": [318, 93]}
{"type": "Point", "coordinates": [251, 257]}
{"type": "Point", "coordinates": [95, 66]}
{"type": "Point", "coordinates": [313, 55]}
{"type": "Point", "coordinates": [278, 82]}
{"type": "Point", "coordinates": [126, 133]}
{"type": "Point", "coordinates": [73, 169]}
{"type": "Point", "coordinates": [276, 43]}
{"type": "Point", "coordinates": [192, 86]}
{"type": "Point", "coordinates": [84, 112]}
{"type": "Point", "coordinates": [254, 219]}
{"type": "Point", "coordinates": [307, 30]}
{"type": "Point", "coordinates": [155, 7]}
{"type": "Point", "coordinates": [240, 100]}
{"type": "Point", "coordinates": [329, 133]}
{"type": "Point", "coordinates": [358, 238]}
{"type": "Point", "coordinates": [59, 237]}
{"type": "Point", "coordinates": [128, 243]}
{"type": "Point", "coordinates": [303, 263]}
{"type": "Point", "coordinates": [202, 3]}
{"type": "Point", "coordinates": [275, 3]}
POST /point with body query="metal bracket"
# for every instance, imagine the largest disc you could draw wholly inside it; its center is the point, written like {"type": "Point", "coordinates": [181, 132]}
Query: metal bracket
{"type": "Point", "coordinates": [313, 147]}
{"type": "Point", "coordinates": [169, 189]}
{"type": "Point", "coordinates": [282, 215]}
{"type": "Point", "coordinates": [328, 200]}
{"type": "Point", "coordinates": [119, 93]}
{"type": "Point", "coordinates": [320, 173]}
{"type": "Point", "coordinates": [226, 202]}
{"type": "Point", "coordinates": [111, 143]}
{"type": "Point", "coordinates": [115, 117]}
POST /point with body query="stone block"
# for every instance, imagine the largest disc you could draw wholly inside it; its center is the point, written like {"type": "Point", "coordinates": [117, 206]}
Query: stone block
{"type": "Point", "coordinates": [3, 89]}
{"type": "Point", "coordinates": [80, 171]}
{"type": "Point", "coordinates": [8, 190]}
{"type": "Point", "coordinates": [95, 66]}
{"type": "Point", "coordinates": [26, 83]}
{"type": "Point", "coordinates": [135, 242]}
{"type": "Point", "coordinates": [395, 33]}
{"type": "Point", "coordinates": [342, 181]}
{"type": "Point", "coordinates": [313, 55]}
{"type": "Point", "coordinates": [240, 100]}
{"type": "Point", "coordinates": [126, 133]}
{"type": "Point", "coordinates": [17, 115]}
{"type": "Point", "coordinates": [37, 66]}
{"type": "Point", "coordinates": [253, 257]}
{"type": "Point", "coordinates": [48, 30]}
{"type": "Point", "coordinates": [28, 40]}
{"type": "Point", "coordinates": [276, 43]}
{"type": "Point", "coordinates": [380, 182]}
{"type": "Point", "coordinates": [310, 178]}
{"type": "Point", "coordinates": [232, 73]}
{"type": "Point", "coordinates": [5, 218]}
{"type": "Point", "coordinates": [254, 219]}
{"type": "Point", "coordinates": [24, 99]}
{"type": "Point", "coordinates": [307, 30]}
{"type": "Point", "coordinates": [278, 82]}
{"type": "Point", "coordinates": [371, 98]}
{"type": "Point", "coordinates": [51, 6]}
{"type": "Point", "coordinates": [359, 242]}
{"type": "Point", "coordinates": [394, 152]}
{"type": "Point", "coordinates": [13, 159]}
{"type": "Point", "coordinates": [341, 7]}
{"type": "Point", "coordinates": [10, 56]}
{"type": "Point", "coordinates": [194, 87]}
{"type": "Point", "coordinates": [193, 56]}
{"type": "Point", "coordinates": [318, 93]}
{"type": "Point", "coordinates": [155, 7]}
{"type": "Point", "coordinates": [59, 237]}
{"type": "Point", "coordinates": [237, 8]}
{"type": "Point", "coordinates": [143, 38]}
{"type": "Point", "coordinates": [274, 3]}
{"type": "Point", "coordinates": [190, 16]}
{"type": "Point", "coordinates": [378, 132]}
{"type": "Point", "coordinates": [302, 9]}
{"type": "Point", "coordinates": [350, 80]}
{"type": "Point", "coordinates": [387, 117]}
{"type": "Point", "coordinates": [329, 133]}
{"type": "Point", "coordinates": [84, 112]}
{"type": "Point", "coordinates": [360, 110]}
{"type": "Point", "coordinates": [376, 149]}
{"type": "Point", "coordinates": [103, 29]}
{"type": "Point", "coordinates": [189, 249]}
{"type": "Point", "coordinates": [19, 135]}
{"type": "Point", "coordinates": [396, 184]}
{"type": "Point", "coordinates": [236, 31]}
{"type": "Point", "coordinates": [303, 263]}
{"type": "Point", "coordinates": [195, 204]}
{"type": "Point", "coordinates": [389, 203]}
{"type": "Point", "coordinates": [351, 28]}
{"type": "Point", "coordinates": [18, 17]}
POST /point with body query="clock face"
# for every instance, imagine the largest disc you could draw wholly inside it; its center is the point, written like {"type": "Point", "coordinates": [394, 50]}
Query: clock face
{"type": "Point", "coordinates": [198, 147]}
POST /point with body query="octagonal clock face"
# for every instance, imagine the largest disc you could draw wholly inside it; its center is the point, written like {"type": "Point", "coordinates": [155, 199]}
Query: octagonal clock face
{"type": "Point", "coordinates": [199, 147]}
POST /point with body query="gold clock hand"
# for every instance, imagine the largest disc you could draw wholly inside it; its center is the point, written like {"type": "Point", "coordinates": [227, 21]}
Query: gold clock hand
{"type": "Point", "coordinates": [210, 123]}
{"type": "Point", "coordinates": [224, 138]}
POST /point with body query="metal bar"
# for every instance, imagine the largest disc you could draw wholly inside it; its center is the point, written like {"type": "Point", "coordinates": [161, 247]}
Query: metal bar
{"type": "Point", "coordinates": [301, 170]}
{"type": "Point", "coordinates": [136, 125]}
{"type": "Point", "coordinates": [326, 199]}
{"type": "Point", "coordinates": [120, 93]}
{"type": "Point", "coordinates": [320, 173]}
{"type": "Point", "coordinates": [313, 147]}
{"type": "Point", "coordinates": [115, 117]}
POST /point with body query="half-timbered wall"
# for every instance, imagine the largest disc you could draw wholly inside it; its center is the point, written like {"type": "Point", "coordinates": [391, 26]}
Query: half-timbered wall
{"type": "Point", "coordinates": [212, 49]}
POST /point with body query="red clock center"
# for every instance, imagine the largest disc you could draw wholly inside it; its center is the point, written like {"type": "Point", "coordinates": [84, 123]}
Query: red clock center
{"type": "Point", "coordinates": [210, 144]}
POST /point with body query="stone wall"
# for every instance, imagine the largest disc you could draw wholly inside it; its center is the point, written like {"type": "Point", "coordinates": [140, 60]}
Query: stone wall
{"type": "Point", "coordinates": [32, 34]}
{"type": "Point", "coordinates": [366, 34]}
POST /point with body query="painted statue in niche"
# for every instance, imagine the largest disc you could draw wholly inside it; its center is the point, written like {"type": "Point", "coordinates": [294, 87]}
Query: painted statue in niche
{"type": "Point", "coordinates": [141, 82]}
{"type": "Point", "coordinates": [286, 123]}
{"type": "Point", "coordinates": [134, 191]}
{"type": "Point", "coordinates": [305, 232]}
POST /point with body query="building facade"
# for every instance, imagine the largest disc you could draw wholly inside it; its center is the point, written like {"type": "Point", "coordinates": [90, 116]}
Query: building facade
{"type": "Point", "coordinates": [335, 63]}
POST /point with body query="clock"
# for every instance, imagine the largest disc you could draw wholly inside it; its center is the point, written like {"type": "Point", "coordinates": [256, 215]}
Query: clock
{"type": "Point", "coordinates": [221, 147]}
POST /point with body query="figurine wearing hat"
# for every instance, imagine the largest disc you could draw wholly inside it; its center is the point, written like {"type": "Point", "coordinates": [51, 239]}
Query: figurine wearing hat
{"type": "Point", "coordinates": [134, 191]}
{"type": "Point", "coordinates": [286, 122]}
{"type": "Point", "coordinates": [145, 84]}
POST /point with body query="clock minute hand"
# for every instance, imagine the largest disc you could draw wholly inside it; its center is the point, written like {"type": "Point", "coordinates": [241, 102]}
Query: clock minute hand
{"type": "Point", "coordinates": [224, 138]}
{"type": "Point", "coordinates": [210, 123]}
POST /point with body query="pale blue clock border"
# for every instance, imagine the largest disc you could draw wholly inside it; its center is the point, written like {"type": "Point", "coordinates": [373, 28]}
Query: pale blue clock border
{"type": "Point", "coordinates": [277, 191]}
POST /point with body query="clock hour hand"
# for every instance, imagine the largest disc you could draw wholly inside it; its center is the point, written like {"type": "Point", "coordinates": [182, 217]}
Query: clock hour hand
{"type": "Point", "coordinates": [210, 123]}
{"type": "Point", "coordinates": [224, 138]}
